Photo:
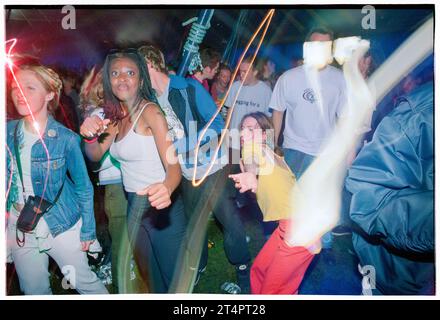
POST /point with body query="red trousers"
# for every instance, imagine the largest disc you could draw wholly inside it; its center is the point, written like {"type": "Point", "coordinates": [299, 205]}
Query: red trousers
{"type": "Point", "coordinates": [278, 268]}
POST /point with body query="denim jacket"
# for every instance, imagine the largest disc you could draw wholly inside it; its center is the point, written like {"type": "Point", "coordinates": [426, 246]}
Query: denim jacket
{"type": "Point", "coordinates": [76, 198]}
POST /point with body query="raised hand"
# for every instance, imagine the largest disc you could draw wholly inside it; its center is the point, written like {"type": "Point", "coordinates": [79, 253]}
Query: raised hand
{"type": "Point", "coordinates": [245, 181]}
{"type": "Point", "coordinates": [93, 126]}
{"type": "Point", "coordinates": [158, 194]}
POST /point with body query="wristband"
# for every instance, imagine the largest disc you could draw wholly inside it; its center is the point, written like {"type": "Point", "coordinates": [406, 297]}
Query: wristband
{"type": "Point", "coordinates": [91, 140]}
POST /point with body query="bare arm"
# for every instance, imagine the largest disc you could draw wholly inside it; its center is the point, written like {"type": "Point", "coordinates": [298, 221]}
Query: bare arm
{"type": "Point", "coordinates": [92, 127]}
{"type": "Point", "coordinates": [159, 194]}
{"type": "Point", "coordinates": [155, 119]}
{"type": "Point", "coordinates": [277, 119]}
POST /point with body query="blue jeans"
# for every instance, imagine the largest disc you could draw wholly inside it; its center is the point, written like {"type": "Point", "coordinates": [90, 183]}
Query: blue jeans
{"type": "Point", "coordinates": [156, 237]}
{"type": "Point", "coordinates": [298, 163]}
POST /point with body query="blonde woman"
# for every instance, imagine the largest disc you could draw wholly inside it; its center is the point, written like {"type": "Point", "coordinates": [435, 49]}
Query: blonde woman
{"type": "Point", "coordinates": [45, 160]}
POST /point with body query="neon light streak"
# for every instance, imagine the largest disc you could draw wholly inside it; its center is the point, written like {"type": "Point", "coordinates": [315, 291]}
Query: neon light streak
{"type": "Point", "coordinates": [189, 258]}
{"type": "Point", "coordinates": [10, 64]}
{"type": "Point", "coordinates": [266, 21]}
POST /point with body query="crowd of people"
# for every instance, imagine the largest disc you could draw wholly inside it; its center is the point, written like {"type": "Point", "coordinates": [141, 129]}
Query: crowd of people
{"type": "Point", "coordinates": [148, 134]}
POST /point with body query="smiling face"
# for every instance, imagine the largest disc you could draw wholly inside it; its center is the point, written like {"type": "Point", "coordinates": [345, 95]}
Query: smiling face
{"type": "Point", "coordinates": [34, 92]}
{"type": "Point", "coordinates": [224, 77]}
{"type": "Point", "coordinates": [125, 79]}
{"type": "Point", "coordinates": [251, 131]}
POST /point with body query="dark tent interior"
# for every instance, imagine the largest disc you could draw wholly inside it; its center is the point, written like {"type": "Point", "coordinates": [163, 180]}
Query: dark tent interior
{"type": "Point", "coordinates": [39, 30]}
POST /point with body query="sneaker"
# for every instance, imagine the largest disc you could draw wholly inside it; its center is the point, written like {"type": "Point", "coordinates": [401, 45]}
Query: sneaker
{"type": "Point", "coordinates": [231, 288]}
{"type": "Point", "coordinates": [104, 273]}
{"type": "Point", "coordinates": [341, 231]}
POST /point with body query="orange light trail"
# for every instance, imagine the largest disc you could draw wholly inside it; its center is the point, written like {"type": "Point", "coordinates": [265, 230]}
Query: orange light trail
{"type": "Point", "coordinates": [10, 64]}
{"type": "Point", "coordinates": [266, 21]}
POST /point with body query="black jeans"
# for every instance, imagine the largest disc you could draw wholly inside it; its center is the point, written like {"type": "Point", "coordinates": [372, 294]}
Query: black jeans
{"type": "Point", "coordinates": [156, 237]}
{"type": "Point", "coordinates": [217, 194]}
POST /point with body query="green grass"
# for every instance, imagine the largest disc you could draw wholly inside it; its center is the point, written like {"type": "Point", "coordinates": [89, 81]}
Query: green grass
{"type": "Point", "coordinates": [219, 270]}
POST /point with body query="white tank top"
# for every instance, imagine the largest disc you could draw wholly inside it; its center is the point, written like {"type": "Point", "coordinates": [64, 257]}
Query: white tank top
{"type": "Point", "coordinates": [140, 162]}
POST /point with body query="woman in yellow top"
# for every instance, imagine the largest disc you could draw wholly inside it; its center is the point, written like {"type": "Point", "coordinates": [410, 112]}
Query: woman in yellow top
{"type": "Point", "coordinates": [280, 266]}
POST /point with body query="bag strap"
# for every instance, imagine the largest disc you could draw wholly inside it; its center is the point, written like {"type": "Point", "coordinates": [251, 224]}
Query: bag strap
{"type": "Point", "coordinates": [17, 159]}
{"type": "Point", "coordinates": [188, 112]}
{"type": "Point", "coordinates": [17, 156]}
{"type": "Point", "coordinates": [56, 197]}
{"type": "Point", "coordinates": [20, 242]}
